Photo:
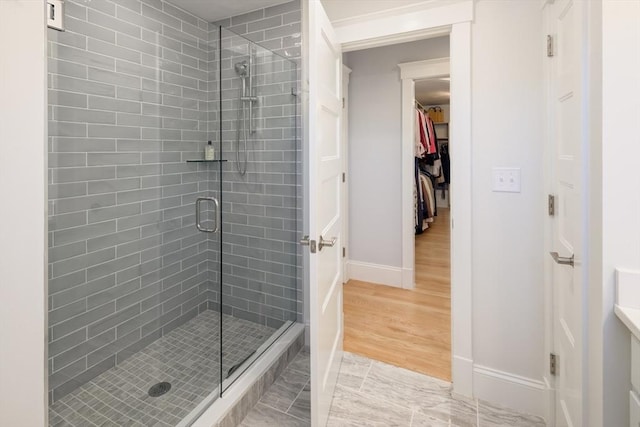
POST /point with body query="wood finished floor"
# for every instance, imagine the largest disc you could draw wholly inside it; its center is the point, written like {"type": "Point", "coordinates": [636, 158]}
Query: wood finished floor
{"type": "Point", "coordinates": [407, 328]}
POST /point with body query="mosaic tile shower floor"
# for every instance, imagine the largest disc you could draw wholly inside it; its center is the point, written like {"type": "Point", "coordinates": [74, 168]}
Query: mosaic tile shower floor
{"type": "Point", "coordinates": [188, 357]}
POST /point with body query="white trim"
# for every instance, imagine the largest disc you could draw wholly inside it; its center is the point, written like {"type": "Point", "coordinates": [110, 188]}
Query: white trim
{"type": "Point", "coordinates": [461, 207]}
{"type": "Point", "coordinates": [375, 273]}
{"type": "Point", "coordinates": [346, 71]}
{"type": "Point", "coordinates": [409, 72]}
{"type": "Point", "coordinates": [430, 68]}
{"type": "Point", "coordinates": [522, 394]}
{"type": "Point", "coordinates": [397, 38]}
{"type": "Point", "coordinates": [407, 168]}
{"type": "Point", "coordinates": [427, 19]}
{"type": "Point", "coordinates": [23, 191]}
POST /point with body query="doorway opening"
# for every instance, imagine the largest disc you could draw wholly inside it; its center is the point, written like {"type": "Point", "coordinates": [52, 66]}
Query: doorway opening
{"type": "Point", "coordinates": [409, 327]}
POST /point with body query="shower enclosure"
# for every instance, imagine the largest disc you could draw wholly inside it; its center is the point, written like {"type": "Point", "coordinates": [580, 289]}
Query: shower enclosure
{"type": "Point", "coordinates": [168, 274]}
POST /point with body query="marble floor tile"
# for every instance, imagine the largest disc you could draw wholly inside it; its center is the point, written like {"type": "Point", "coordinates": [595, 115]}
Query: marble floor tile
{"type": "Point", "coordinates": [353, 408]}
{"type": "Point", "coordinates": [494, 416]}
{"type": "Point", "coordinates": [285, 390]}
{"type": "Point", "coordinates": [421, 420]}
{"type": "Point", "coordinates": [371, 393]}
{"type": "Point", "coordinates": [353, 370]}
{"type": "Point", "coordinates": [301, 363]}
{"type": "Point", "coordinates": [301, 407]}
{"type": "Point", "coordinates": [262, 415]}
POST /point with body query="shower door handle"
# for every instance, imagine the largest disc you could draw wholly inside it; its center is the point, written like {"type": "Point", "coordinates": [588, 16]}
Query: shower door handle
{"type": "Point", "coordinates": [199, 226]}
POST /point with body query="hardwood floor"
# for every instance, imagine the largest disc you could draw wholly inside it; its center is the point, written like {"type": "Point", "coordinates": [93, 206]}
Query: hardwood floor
{"type": "Point", "coordinates": [407, 328]}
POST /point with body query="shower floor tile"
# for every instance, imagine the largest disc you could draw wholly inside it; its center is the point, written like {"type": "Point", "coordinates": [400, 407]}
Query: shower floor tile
{"type": "Point", "coordinates": [188, 357]}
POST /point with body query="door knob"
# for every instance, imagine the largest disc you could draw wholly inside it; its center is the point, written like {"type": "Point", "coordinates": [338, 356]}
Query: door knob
{"type": "Point", "coordinates": [561, 259]}
{"type": "Point", "coordinates": [328, 243]}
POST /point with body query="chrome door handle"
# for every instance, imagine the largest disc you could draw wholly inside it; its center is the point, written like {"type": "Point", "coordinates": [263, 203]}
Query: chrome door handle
{"type": "Point", "coordinates": [305, 241]}
{"type": "Point", "coordinates": [561, 259]}
{"type": "Point", "coordinates": [328, 243]}
{"type": "Point", "coordinates": [199, 226]}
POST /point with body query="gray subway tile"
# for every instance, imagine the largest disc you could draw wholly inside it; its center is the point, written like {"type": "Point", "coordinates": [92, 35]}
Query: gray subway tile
{"type": "Point", "coordinates": [83, 291]}
{"type": "Point", "coordinates": [83, 203]}
{"type": "Point", "coordinates": [70, 235]}
{"type": "Point", "coordinates": [113, 212]}
{"type": "Point", "coordinates": [112, 266]}
{"type": "Point", "coordinates": [61, 144]}
{"type": "Point", "coordinates": [81, 262]}
{"type": "Point", "coordinates": [112, 240]}
{"type": "Point", "coordinates": [63, 175]}
{"type": "Point", "coordinates": [82, 320]}
{"type": "Point", "coordinates": [82, 349]}
{"type": "Point", "coordinates": [68, 114]}
{"type": "Point", "coordinates": [112, 293]}
{"type": "Point", "coordinates": [112, 23]}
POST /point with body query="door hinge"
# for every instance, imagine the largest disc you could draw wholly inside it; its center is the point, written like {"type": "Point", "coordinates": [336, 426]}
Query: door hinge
{"type": "Point", "coordinates": [343, 103]}
{"type": "Point", "coordinates": [552, 205]}
{"type": "Point", "coordinates": [344, 252]}
{"type": "Point", "coordinates": [549, 45]}
{"type": "Point", "coordinates": [553, 364]}
{"type": "Point", "coordinates": [344, 177]}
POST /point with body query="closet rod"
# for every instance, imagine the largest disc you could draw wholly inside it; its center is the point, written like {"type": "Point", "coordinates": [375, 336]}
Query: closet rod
{"type": "Point", "coordinates": [420, 105]}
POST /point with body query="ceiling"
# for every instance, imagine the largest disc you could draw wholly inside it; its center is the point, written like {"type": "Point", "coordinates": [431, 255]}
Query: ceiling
{"type": "Point", "coordinates": [214, 10]}
{"type": "Point", "coordinates": [433, 91]}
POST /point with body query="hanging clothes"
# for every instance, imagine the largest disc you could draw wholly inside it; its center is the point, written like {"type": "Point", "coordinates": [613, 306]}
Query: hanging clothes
{"type": "Point", "coordinates": [446, 162]}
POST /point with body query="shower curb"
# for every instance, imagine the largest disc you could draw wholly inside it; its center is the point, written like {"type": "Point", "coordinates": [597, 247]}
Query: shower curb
{"type": "Point", "coordinates": [230, 409]}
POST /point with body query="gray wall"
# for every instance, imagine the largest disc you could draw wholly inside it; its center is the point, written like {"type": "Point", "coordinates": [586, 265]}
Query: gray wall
{"type": "Point", "coordinates": [375, 146]}
{"type": "Point", "coordinates": [128, 105]}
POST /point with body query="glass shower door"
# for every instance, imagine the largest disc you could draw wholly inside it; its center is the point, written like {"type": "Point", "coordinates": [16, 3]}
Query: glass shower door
{"type": "Point", "coordinates": [259, 200]}
{"type": "Point", "coordinates": [134, 318]}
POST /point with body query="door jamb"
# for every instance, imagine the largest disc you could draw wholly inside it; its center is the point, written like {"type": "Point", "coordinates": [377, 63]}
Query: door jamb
{"type": "Point", "coordinates": [346, 72]}
{"type": "Point", "coordinates": [409, 73]}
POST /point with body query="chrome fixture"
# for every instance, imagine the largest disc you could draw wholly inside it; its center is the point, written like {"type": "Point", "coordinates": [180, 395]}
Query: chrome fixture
{"type": "Point", "coordinates": [247, 99]}
{"type": "Point", "coordinates": [199, 226]}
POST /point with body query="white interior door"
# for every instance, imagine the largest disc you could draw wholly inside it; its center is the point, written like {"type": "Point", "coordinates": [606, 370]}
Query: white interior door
{"type": "Point", "coordinates": [325, 180]}
{"type": "Point", "coordinates": [569, 290]}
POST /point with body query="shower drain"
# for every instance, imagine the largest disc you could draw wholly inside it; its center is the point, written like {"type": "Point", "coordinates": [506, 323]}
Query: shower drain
{"type": "Point", "coordinates": [159, 389]}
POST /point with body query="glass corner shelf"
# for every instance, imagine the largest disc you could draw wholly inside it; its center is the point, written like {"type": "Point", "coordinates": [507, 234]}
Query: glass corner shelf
{"type": "Point", "coordinates": [205, 161]}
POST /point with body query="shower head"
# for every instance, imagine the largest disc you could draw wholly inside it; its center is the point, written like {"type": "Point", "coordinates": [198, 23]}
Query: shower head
{"type": "Point", "coordinates": [242, 68]}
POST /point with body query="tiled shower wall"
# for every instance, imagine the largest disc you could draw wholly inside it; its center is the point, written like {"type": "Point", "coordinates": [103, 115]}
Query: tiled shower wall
{"type": "Point", "coordinates": [262, 210]}
{"type": "Point", "coordinates": [133, 94]}
{"type": "Point", "coordinates": [128, 104]}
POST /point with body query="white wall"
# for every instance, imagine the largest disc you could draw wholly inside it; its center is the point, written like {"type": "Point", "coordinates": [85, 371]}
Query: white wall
{"type": "Point", "coordinates": [507, 131]}
{"type": "Point", "coordinates": [375, 147]}
{"type": "Point", "coordinates": [620, 191]}
{"type": "Point", "coordinates": [23, 90]}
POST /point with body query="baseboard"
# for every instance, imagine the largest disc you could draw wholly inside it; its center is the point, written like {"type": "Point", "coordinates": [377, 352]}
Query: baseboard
{"type": "Point", "coordinates": [462, 376]}
{"type": "Point", "coordinates": [515, 392]}
{"type": "Point", "coordinates": [408, 276]}
{"type": "Point", "coordinates": [375, 273]}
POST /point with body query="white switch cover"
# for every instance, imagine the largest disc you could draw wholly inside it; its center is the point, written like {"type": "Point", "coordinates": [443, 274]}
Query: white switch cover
{"type": "Point", "coordinates": [506, 180]}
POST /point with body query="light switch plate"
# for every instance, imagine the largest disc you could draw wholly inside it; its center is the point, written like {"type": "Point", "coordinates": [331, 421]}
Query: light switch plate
{"type": "Point", "coordinates": [506, 180]}
{"type": "Point", "coordinates": [55, 14]}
